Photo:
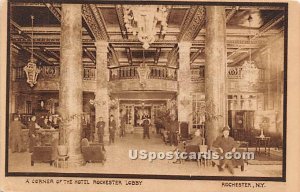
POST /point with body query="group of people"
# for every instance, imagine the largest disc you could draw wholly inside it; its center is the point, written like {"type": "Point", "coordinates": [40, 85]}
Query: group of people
{"type": "Point", "coordinates": [100, 125]}
{"type": "Point", "coordinates": [222, 144]}
{"type": "Point", "coordinates": [32, 125]}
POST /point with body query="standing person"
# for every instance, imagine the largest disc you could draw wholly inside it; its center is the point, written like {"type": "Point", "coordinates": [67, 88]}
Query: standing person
{"type": "Point", "coordinates": [16, 137]}
{"type": "Point", "coordinates": [85, 131]}
{"type": "Point", "coordinates": [32, 133]}
{"type": "Point", "coordinates": [100, 126]}
{"type": "Point", "coordinates": [173, 131]}
{"type": "Point", "coordinates": [112, 129]}
{"type": "Point", "coordinates": [146, 125]}
{"type": "Point", "coordinates": [122, 124]}
{"type": "Point", "coordinates": [225, 144]}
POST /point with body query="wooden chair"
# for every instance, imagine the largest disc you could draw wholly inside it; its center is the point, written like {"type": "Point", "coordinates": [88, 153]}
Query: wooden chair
{"type": "Point", "coordinates": [235, 162]}
{"type": "Point", "coordinates": [45, 154]}
{"type": "Point", "coordinates": [42, 154]}
{"type": "Point", "coordinates": [192, 148]}
{"type": "Point", "coordinates": [92, 152]}
{"type": "Point", "coordinates": [184, 131]}
{"type": "Point", "coordinates": [203, 150]}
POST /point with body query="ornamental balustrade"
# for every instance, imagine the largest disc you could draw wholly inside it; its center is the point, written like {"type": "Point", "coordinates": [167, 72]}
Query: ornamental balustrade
{"type": "Point", "coordinates": [131, 72]}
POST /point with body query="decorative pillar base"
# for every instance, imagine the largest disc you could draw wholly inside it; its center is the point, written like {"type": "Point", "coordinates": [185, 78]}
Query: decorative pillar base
{"type": "Point", "coordinates": [75, 160]}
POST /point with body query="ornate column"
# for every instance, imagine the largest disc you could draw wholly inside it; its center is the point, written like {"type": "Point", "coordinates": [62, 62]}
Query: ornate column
{"type": "Point", "coordinates": [102, 78]}
{"type": "Point", "coordinates": [13, 91]}
{"type": "Point", "coordinates": [70, 89]}
{"type": "Point", "coordinates": [215, 65]}
{"type": "Point", "coordinates": [184, 83]}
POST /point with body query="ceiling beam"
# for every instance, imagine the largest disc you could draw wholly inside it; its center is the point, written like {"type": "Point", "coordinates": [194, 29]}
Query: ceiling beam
{"type": "Point", "coordinates": [35, 54]}
{"type": "Point", "coordinates": [262, 30]}
{"type": "Point", "coordinates": [196, 54]}
{"type": "Point", "coordinates": [55, 11]}
{"type": "Point", "coordinates": [194, 22]}
{"type": "Point", "coordinates": [240, 59]}
{"type": "Point", "coordinates": [162, 36]}
{"type": "Point", "coordinates": [95, 21]}
{"type": "Point", "coordinates": [115, 58]}
{"type": "Point", "coordinates": [274, 8]}
{"type": "Point", "coordinates": [96, 24]}
{"type": "Point", "coordinates": [28, 38]}
{"type": "Point", "coordinates": [15, 27]}
{"type": "Point", "coordinates": [271, 8]}
{"type": "Point", "coordinates": [173, 56]}
{"type": "Point", "coordinates": [90, 55]}
{"type": "Point", "coordinates": [53, 54]}
{"type": "Point", "coordinates": [120, 14]}
{"type": "Point", "coordinates": [230, 13]}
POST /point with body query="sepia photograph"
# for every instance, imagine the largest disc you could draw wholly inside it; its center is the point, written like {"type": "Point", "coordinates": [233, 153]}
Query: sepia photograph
{"type": "Point", "coordinates": [147, 90]}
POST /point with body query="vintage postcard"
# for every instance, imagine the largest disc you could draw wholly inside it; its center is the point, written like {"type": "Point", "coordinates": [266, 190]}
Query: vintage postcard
{"type": "Point", "coordinates": [149, 95]}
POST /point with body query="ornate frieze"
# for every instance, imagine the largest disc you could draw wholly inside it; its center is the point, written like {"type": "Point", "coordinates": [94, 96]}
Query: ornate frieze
{"type": "Point", "coordinates": [95, 21]}
{"type": "Point", "coordinates": [192, 27]}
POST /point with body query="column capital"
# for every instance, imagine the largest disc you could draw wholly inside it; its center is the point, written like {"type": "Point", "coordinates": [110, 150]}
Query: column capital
{"type": "Point", "coordinates": [184, 46]}
{"type": "Point", "coordinates": [101, 46]}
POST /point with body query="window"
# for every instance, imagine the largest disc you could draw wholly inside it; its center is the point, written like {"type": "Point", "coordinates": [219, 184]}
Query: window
{"type": "Point", "coordinates": [28, 107]}
{"type": "Point", "coordinates": [242, 102]}
{"type": "Point", "coordinates": [198, 110]}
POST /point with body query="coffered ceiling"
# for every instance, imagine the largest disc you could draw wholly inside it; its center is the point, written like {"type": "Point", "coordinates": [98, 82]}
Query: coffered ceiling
{"type": "Point", "coordinates": [105, 22]}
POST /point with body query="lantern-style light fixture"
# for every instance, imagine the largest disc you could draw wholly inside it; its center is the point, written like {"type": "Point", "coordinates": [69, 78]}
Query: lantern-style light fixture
{"type": "Point", "coordinates": [31, 68]}
{"type": "Point", "coordinates": [250, 72]}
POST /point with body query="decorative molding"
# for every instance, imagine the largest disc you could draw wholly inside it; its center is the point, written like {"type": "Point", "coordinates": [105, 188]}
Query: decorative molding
{"type": "Point", "coordinates": [115, 58]}
{"type": "Point", "coordinates": [54, 11]}
{"type": "Point", "coordinates": [193, 24]}
{"type": "Point", "coordinates": [231, 13]}
{"type": "Point", "coordinates": [120, 14]}
{"type": "Point", "coordinates": [37, 55]}
{"type": "Point", "coordinates": [173, 57]}
{"type": "Point", "coordinates": [196, 54]}
{"type": "Point", "coordinates": [95, 21]}
{"type": "Point", "coordinates": [262, 31]}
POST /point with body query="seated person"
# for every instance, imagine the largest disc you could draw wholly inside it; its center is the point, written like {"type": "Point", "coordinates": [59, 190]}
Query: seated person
{"type": "Point", "coordinates": [43, 122]}
{"type": "Point", "coordinates": [223, 145]}
{"type": "Point", "coordinates": [196, 140]}
{"type": "Point", "coordinates": [50, 122]}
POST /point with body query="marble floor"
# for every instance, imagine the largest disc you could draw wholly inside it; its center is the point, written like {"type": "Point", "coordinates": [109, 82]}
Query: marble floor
{"type": "Point", "coordinates": [118, 162]}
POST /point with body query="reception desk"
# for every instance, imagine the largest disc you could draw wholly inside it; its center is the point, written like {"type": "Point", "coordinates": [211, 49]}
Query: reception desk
{"type": "Point", "coordinates": [45, 136]}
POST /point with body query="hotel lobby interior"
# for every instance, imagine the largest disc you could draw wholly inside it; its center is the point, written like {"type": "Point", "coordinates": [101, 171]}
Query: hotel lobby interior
{"type": "Point", "coordinates": [209, 66]}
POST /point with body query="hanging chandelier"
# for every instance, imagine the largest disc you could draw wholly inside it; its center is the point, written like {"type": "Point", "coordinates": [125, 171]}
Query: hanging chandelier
{"type": "Point", "coordinates": [143, 72]}
{"type": "Point", "coordinates": [142, 20]}
{"type": "Point", "coordinates": [250, 72]}
{"type": "Point", "coordinates": [31, 68]}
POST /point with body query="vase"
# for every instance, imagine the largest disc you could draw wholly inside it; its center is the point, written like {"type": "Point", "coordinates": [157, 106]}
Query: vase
{"type": "Point", "coordinates": [62, 150]}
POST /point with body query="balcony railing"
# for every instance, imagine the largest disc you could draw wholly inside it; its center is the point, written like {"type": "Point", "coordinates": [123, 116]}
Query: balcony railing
{"type": "Point", "coordinates": [198, 75]}
{"type": "Point", "coordinates": [53, 72]}
{"type": "Point", "coordinates": [131, 72]}
{"type": "Point", "coordinates": [236, 73]}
